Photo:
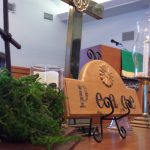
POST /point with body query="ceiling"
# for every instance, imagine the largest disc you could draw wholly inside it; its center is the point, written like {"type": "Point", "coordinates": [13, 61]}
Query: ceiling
{"type": "Point", "coordinates": [116, 7]}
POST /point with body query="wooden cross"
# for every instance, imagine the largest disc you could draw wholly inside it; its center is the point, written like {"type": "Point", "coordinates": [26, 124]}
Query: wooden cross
{"type": "Point", "coordinates": [7, 37]}
{"type": "Point", "coordinates": [75, 32]}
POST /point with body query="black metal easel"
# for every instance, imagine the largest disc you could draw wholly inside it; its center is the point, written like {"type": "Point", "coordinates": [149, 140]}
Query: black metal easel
{"type": "Point", "coordinates": [97, 132]}
{"type": "Point", "coordinates": [98, 135]}
{"type": "Point", "coordinates": [7, 37]}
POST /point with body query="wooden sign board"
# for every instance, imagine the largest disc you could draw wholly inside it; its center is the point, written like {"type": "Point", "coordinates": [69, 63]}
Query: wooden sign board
{"type": "Point", "coordinates": [97, 83]}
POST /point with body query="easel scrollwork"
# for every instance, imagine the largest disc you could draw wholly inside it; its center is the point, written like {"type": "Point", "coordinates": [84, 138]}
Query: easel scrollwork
{"type": "Point", "coordinates": [98, 135]}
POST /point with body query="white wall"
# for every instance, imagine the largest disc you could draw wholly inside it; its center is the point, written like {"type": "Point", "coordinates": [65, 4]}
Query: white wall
{"type": "Point", "coordinates": [102, 31]}
{"type": "Point", "coordinates": [44, 41]}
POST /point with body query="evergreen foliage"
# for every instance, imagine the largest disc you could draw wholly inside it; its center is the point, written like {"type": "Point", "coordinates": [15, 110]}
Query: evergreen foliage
{"type": "Point", "coordinates": [30, 111]}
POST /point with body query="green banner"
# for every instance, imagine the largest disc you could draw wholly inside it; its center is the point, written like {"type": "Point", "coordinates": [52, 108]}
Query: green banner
{"type": "Point", "coordinates": [128, 65]}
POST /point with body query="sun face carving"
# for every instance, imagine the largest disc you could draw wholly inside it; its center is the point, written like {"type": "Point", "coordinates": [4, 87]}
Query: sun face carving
{"type": "Point", "coordinates": [81, 5]}
{"type": "Point", "coordinates": [106, 75]}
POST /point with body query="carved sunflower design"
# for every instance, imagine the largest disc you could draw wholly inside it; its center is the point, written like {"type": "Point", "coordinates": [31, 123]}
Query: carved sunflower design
{"type": "Point", "coordinates": [106, 75]}
{"type": "Point", "coordinates": [81, 5]}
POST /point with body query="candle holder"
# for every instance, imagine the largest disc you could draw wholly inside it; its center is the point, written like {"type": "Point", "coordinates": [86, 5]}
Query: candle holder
{"type": "Point", "coordinates": [51, 75]}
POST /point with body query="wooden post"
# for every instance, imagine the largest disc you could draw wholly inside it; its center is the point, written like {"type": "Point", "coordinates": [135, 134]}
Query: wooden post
{"type": "Point", "coordinates": [75, 32]}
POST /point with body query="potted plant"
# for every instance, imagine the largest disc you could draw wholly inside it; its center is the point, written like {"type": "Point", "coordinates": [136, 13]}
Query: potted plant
{"type": "Point", "coordinates": [30, 111]}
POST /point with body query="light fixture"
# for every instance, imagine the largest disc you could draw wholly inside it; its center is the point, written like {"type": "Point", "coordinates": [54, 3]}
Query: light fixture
{"type": "Point", "coordinates": [101, 1]}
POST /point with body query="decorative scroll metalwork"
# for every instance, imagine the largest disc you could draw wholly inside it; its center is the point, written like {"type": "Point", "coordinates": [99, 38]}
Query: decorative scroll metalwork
{"type": "Point", "coordinates": [121, 129]}
{"type": "Point", "coordinates": [81, 5]}
{"type": "Point", "coordinates": [98, 134]}
{"type": "Point", "coordinates": [106, 75]}
{"type": "Point", "coordinates": [93, 55]}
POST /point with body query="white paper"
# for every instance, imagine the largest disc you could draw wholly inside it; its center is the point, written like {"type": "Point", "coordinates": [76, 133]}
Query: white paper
{"type": "Point", "coordinates": [48, 77]}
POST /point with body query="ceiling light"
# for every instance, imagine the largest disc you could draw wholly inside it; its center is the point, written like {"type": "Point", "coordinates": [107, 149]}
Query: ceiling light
{"type": "Point", "coordinates": [101, 1]}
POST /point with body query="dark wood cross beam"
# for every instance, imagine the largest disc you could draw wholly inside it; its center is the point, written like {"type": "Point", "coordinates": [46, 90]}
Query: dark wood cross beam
{"type": "Point", "coordinates": [6, 36]}
{"type": "Point", "coordinates": [74, 34]}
